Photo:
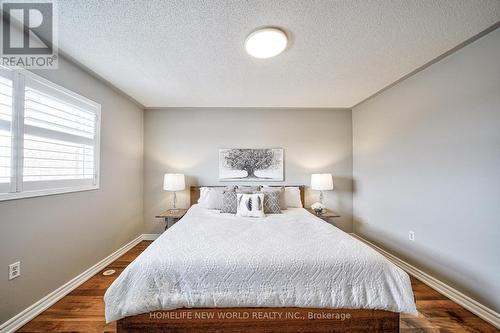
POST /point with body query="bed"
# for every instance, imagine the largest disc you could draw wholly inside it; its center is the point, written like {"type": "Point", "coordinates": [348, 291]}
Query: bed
{"type": "Point", "coordinates": [289, 272]}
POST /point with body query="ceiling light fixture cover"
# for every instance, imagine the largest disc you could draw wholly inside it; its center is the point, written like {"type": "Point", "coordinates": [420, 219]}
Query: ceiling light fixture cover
{"type": "Point", "coordinates": [266, 43]}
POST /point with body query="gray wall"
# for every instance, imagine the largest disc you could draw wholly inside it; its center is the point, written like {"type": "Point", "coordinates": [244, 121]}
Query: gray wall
{"type": "Point", "coordinates": [427, 159]}
{"type": "Point", "coordinates": [58, 237]}
{"type": "Point", "coordinates": [188, 140]}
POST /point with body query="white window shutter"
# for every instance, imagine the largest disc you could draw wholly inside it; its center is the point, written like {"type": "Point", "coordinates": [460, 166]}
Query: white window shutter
{"type": "Point", "coordinates": [59, 138]}
{"type": "Point", "coordinates": [49, 138]}
{"type": "Point", "coordinates": [6, 113]}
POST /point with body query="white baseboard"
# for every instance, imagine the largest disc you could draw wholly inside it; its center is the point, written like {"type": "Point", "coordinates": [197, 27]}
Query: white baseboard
{"type": "Point", "coordinates": [35, 309]}
{"type": "Point", "coordinates": [473, 306]}
{"type": "Point", "coordinates": [150, 236]}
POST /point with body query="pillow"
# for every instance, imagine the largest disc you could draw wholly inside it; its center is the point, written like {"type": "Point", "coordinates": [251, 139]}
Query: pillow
{"type": "Point", "coordinates": [280, 190]}
{"type": "Point", "coordinates": [203, 194]}
{"type": "Point", "coordinates": [250, 205]}
{"type": "Point", "coordinates": [247, 189]}
{"type": "Point", "coordinates": [211, 197]}
{"type": "Point", "coordinates": [229, 202]}
{"type": "Point", "coordinates": [272, 203]}
{"type": "Point", "coordinates": [292, 197]}
{"type": "Point", "coordinates": [202, 200]}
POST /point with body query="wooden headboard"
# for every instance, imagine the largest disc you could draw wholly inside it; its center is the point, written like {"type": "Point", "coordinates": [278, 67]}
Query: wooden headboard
{"type": "Point", "coordinates": [195, 192]}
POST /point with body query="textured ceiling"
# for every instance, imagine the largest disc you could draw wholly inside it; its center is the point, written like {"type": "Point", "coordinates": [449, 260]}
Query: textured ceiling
{"type": "Point", "coordinates": [190, 53]}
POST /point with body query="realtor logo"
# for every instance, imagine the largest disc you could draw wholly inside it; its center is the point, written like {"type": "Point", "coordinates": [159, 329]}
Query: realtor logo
{"type": "Point", "coordinates": [29, 38]}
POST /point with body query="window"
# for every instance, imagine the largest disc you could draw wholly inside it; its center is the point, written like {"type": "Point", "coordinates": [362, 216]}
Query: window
{"type": "Point", "coordinates": [5, 129]}
{"type": "Point", "coordinates": [49, 138]}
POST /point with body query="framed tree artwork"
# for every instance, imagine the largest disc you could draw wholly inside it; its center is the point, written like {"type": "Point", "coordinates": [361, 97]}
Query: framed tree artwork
{"type": "Point", "coordinates": [251, 164]}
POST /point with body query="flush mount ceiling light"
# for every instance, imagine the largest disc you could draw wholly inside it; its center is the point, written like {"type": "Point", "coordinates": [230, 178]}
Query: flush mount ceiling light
{"type": "Point", "coordinates": [266, 43]}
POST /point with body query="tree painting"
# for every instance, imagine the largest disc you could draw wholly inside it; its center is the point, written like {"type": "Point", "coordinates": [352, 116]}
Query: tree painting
{"type": "Point", "coordinates": [267, 161]}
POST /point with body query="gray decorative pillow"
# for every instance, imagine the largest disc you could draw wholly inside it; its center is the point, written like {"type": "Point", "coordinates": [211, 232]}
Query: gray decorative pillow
{"type": "Point", "coordinates": [272, 202]}
{"type": "Point", "coordinates": [247, 189]}
{"type": "Point", "coordinates": [229, 202]}
{"type": "Point", "coordinates": [230, 188]}
{"type": "Point", "coordinates": [280, 190]}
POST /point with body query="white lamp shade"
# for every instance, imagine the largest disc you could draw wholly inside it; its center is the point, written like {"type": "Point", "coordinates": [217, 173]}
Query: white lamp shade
{"type": "Point", "coordinates": [174, 182]}
{"type": "Point", "coordinates": [322, 181]}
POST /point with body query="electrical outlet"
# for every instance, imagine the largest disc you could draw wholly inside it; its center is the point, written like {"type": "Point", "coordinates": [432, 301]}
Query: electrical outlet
{"type": "Point", "coordinates": [14, 270]}
{"type": "Point", "coordinates": [411, 235]}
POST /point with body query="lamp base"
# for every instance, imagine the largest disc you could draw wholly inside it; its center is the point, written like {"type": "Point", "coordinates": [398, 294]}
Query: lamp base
{"type": "Point", "coordinates": [317, 208]}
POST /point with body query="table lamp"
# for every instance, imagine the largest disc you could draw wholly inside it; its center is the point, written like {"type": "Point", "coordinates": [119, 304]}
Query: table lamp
{"type": "Point", "coordinates": [321, 182]}
{"type": "Point", "coordinates": [174, 182]}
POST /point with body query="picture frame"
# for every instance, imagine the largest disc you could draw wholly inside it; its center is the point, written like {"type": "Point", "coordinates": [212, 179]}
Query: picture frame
{"type": "Point", "coordinates": [251, 164]}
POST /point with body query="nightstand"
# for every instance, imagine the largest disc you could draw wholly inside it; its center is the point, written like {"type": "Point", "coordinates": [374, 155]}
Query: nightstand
{"type": "Point", "coordinates": [325, 215]}
{"type": "Point", "coordinates": [171, 216]}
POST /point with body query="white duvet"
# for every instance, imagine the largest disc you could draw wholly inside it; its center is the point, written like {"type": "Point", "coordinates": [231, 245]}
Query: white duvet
{"type": "Point", "coordinates": [294, 259]}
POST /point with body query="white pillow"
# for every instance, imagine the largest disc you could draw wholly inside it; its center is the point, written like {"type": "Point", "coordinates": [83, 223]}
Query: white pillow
{"type": "Point", "coordinates": [250, 205]}
{"type": "Point", "coordinates": [203, 196]}
{"type": "Point", "coordinates": [292, 197]}
{"type": "Point", "coordinates": [210, 197]}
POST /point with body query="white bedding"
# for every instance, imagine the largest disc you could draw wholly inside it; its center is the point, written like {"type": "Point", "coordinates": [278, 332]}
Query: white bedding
{"type": "Point", "coordinates": [294, 259]}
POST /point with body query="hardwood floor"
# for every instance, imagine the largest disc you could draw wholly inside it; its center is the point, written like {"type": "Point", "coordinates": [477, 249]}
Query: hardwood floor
{"type": "Point", "coordinates": [82, 310]}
